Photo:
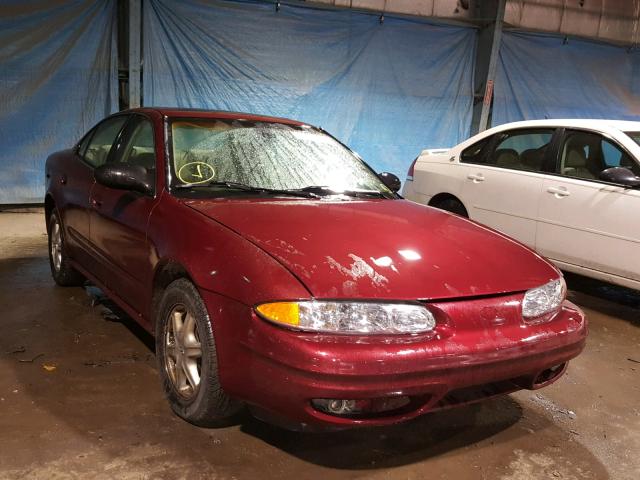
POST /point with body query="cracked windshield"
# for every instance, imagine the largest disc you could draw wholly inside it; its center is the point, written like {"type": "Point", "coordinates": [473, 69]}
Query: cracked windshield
{"type": "Point", "coordinates": [271, 156]}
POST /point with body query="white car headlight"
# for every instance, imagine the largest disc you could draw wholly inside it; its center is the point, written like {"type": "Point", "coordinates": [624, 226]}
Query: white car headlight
{"type": "Point", "coordinates": [544, 299]}
{"type": "Point", "coordinates": [350, 317]}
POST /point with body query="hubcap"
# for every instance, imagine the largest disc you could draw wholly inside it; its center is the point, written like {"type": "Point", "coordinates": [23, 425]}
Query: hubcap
{"type": "Point", "coordinates": [56, 245]}
{"type": "Point", "coordinates": [183, 351]}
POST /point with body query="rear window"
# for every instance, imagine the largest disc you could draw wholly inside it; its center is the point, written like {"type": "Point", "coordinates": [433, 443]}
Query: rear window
{"type": "Point", "coordinates": [521, 150]}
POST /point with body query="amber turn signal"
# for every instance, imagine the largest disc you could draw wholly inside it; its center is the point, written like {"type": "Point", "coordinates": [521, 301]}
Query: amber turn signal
{"type": "Point", "coordinates": [287, 313]}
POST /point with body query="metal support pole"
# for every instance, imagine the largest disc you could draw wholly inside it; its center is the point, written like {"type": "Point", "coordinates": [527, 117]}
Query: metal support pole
{"type": "Point", "coordinates": [135, 28]}
{"type": "Point", "coordinates": [493, 63]}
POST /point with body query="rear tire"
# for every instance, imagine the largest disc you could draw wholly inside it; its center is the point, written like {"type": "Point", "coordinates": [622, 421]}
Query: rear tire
{"type": "Point", "coordinates": [61, 270]}
{"type": "Point", "coordinates": [187, 359]}
{"type": "Point", "coordinates": [452, 205]}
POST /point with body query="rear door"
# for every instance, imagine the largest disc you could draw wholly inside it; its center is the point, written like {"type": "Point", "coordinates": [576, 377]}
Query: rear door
{"type": "Point", "coordinates": [584, 221]}
{"type": "Point", "coordinates": [503, 180]}
{"type": "Point", "coordinates": [76, 181]}
{"type": "Point", "coordinates": [119, 220]}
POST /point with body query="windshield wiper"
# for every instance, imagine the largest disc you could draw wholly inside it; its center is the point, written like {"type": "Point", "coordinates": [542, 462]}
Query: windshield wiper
{"type": "Point", "coordinates": [247, 188]}
{"type": "Point", "coordinates": [323, 190]}
{"type": "Point", "coordinates": [365, 193]}
{"type": "Point", "coordinates": [232, 185]}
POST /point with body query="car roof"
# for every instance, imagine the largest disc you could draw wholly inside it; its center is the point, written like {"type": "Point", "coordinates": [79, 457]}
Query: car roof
{"type": "Point", "coordinates": [617, 128]}
{"type": "Point", "coordinates": [174, 112]}
{"type": "Point", "coordinates": [591, 123]}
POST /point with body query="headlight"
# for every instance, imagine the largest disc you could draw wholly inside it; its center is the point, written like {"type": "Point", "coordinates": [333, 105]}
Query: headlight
{"type": "Point", "coordinates": [544, 299]}
{"type": "Point", "coordinates": [348, 317]}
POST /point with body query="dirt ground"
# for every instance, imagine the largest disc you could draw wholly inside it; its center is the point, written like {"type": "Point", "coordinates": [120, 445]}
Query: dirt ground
{"type": "Point", "coordinates": [80, 398]}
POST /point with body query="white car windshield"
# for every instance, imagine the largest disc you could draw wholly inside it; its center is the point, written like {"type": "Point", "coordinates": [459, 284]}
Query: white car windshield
{"type": "Point", "coordinates": [635, 136]}
{"type": "Point", "coordinates": [218, 153]}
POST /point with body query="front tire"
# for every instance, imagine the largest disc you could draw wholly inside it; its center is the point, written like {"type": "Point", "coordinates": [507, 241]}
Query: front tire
{"type": "Point", "coordinates": [187, 359]}
{"type": "Point", "coordinates": [61, 270]}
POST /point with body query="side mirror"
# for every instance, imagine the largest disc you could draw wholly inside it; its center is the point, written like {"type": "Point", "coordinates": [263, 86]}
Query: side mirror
{"type": "Point", "coordinates": [122, 176]}
{"type": "Point", "coordinates": [391, 181]}
{"type": "Point", "coordinates": [620, 175]}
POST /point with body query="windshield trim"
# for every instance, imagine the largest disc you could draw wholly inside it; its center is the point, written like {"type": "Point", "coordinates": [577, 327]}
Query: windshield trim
{"type": "Point", "coordinates": [171, 175]}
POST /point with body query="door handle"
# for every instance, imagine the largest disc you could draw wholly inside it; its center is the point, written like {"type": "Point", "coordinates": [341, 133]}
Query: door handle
{"type": "Point", "coordinates": [476, 177]}
{"type": "Point", "coordinates": [559, 192]}
{"type": "Point", "coordinates": [96, 203]}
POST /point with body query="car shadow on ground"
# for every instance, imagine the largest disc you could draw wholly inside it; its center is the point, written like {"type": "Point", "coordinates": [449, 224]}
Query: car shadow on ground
{"type": "Point", "coordinates": [110, 311]}
{"type": "Point", "coordinates": [431, 435]}
{"type": "Point", "coordinates": [606, 298]}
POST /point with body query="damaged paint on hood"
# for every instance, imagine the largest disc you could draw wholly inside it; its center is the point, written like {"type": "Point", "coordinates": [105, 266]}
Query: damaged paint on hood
{"type": "Point", "coordinates": [391, 249]}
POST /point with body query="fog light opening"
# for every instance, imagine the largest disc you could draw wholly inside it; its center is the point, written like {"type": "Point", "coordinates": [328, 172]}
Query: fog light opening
{"type": "Point", "coordinates": [361, 407]}
{"type": "Point", "coordinates": [341, 407]}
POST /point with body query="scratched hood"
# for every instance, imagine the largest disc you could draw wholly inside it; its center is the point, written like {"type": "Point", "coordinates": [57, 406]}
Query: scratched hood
{"type": "Point", "coordinates": [391, 249]}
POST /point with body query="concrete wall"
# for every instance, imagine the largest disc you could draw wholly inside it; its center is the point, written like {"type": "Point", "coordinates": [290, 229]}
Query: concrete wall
{"type": "Point", "coordinates": [452, 9]}
{"type": "Point", "coordinates": [609, 20]}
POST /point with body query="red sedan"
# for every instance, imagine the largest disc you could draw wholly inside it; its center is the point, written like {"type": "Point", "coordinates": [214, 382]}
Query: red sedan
{"type": "Point", "coordinates": [278, 271]}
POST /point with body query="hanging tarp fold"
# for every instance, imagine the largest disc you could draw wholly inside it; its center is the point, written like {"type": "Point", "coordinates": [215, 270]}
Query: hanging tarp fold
{"type": "Point", "coordinates": [548, 76]}
{"type": "Point", "coordinates": [386, 89]}
{"type": "Point", "coordinates": [58, 77]}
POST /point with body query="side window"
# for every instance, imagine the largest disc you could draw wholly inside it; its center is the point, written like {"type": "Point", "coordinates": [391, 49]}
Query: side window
{"type": "Point", "coordinates": [586, 154]}
{"type": "Point", "coordinates": [139, 147]}
{"type": "Point", "coordinates": [475, 153]}
{"type": "Point", "coordinates": [82, 147]}
{"type": "Point", "coordinates": [100, 144]}
{"type": "Point", "coordinates": [614, 156]}
{"type": "Point", "coordinates": [611, 155]}
{"type": "Point", "coordinates": [521, 149]}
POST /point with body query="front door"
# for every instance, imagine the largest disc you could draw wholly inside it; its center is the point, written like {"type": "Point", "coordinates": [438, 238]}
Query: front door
{"type": "Point", "coordinates": [584, 221]}
{"type": "Point", "coordinates": [119, 221]}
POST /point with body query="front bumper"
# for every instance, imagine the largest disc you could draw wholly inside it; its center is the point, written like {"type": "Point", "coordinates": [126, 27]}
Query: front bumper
{"type": "Point", "coordinates": [481, 347]}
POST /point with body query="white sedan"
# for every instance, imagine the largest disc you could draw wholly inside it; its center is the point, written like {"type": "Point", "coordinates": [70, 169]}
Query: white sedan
{"type": "Point", "coordinates": [567, 188]}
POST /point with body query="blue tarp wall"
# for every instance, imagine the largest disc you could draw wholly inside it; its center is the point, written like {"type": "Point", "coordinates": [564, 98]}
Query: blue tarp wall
{"type": "Point", "coordinates": [545, 76]}
{"type": "Point", "coordinates": [58, 77]}
{"type": "Point", "coordinates": [387, 90]}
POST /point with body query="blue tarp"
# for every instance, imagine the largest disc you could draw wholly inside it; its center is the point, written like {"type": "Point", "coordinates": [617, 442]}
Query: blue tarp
{"type": "Point", "coordinates": [58, 77]}
{"type": "Point", "coordinates": [387, 90]}
{"type": "Point", "coordinates": [543, 76]}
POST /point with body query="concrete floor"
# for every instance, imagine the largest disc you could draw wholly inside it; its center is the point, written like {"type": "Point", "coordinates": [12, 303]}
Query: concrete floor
{"type": "Point", "coordinates": [80, 398]}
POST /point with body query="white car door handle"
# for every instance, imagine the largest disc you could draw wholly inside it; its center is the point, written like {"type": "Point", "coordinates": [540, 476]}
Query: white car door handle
{"type": "Point", "coordinates": [559, 191]}
{"type": "Point", "coordinates": [476, 177]}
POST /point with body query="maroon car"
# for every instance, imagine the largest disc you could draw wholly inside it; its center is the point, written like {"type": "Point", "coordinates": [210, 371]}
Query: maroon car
{"type": "Point", "coordinates": [278, 271]}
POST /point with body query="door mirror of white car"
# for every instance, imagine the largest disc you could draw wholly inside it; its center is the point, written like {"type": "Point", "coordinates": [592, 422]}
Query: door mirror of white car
{"type": "Point", "coordinates": [621, 176]}
{"type": "Point", "coordinates": [391, 181]}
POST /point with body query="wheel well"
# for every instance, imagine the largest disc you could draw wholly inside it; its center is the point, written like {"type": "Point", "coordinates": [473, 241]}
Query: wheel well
{"type": "Point", "coordinates": [49, 205]}
{"type": "Point", "coordinates": [165, 274]}
{"type": "Point", "coordinates": [441, 197]}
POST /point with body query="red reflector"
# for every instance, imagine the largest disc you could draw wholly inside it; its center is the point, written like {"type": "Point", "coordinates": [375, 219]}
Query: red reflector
{"type": "Point", "coordinates": [410, 171]}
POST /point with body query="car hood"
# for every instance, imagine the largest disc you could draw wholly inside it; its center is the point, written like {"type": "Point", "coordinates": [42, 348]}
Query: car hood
{"type": "Point", "coordinates": [391, 249]}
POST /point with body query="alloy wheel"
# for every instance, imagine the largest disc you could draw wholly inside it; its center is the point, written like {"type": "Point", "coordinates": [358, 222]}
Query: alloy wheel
{"type": "Point", "coordinates": [183, 351]}
{"type": "Point", "coordinates": [56, 245]}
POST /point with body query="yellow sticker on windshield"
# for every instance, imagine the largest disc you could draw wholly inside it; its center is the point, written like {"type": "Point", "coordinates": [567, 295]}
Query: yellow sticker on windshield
{"type": "Point", "coordinates": [196, 172]}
